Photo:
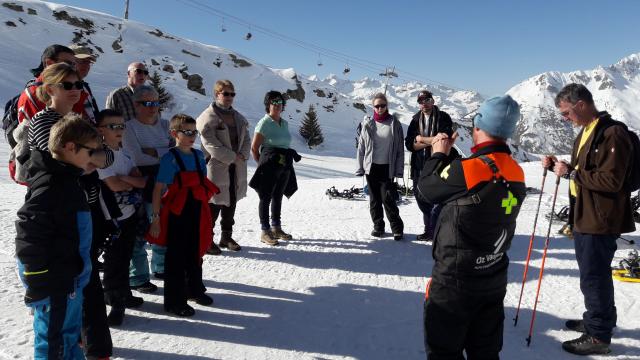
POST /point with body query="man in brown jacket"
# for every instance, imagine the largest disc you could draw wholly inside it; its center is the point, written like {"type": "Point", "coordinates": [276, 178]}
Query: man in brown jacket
{"type": "Point", "coordinates": [602, 211]}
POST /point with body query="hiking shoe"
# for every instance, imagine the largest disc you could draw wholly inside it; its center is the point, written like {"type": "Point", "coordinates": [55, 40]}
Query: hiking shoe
{"type": "Point", "coordinates": [424, 237]}
{"type": "Point", "coordinates": [115, 317]}
{"type": "Point", "coordinates": [268, 238]}
{"type": "Point", "coordinates": [158, 275]}
{"type": "Point", "coordinates": [146, 288]}
{"type": "Point", "coordinates": [398, 237]}
{"type": "Point", "coordinates": [132, 302]}
{"type": "Point", "coordinates": [566, 231]}
{"type": "Point", "coordinates": [575, 325]}
{"type": "Point", "coordinates": [586, 345]}
{"type": "Point", "coordinates": [230, 244]}
{"type": "Point", "coordinates": [202, 299]}
{"type": "Point", "coordinates": [183, 311]}
{"type": "Point", "coordinates": [279, 234]}
{"type": "Point", "coordinates": [377, 233]}
{"type": "Point", "coordinates": [214, 249]}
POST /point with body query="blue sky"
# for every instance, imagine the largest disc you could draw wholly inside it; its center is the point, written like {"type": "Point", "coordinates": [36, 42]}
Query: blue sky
{"type": "Point", "coordinates": [487, 45]}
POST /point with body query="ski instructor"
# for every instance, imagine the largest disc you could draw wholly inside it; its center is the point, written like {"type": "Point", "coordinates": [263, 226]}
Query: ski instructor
{"type": "Point", "coordinates": [600, 213]}
{"type": "Point", "coordinates": [481, 198]}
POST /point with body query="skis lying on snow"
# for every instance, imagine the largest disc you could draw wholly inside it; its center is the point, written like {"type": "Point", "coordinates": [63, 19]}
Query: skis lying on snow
{"type": "Point", "coordinates": [348, 194]}
{"type": "Point", "coordinates": [628, 269]}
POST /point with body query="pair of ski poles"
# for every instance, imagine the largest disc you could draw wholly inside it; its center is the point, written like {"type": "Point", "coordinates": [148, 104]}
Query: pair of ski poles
{"type": "Point", "coordinates": [544, 254]}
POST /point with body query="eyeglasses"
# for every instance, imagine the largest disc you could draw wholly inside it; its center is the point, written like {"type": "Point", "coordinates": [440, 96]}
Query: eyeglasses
{"type": "Point", "coordinates": [189, 133]}
{"type": "Point", "coordinates": [226, 93]}
{"type": "Point", "coordinates": [425, 101]}
{"type": "Point", "coordinates": [149, 103]}
{"type": "Point", "coordinates": [473, 119]}
{"type": "Point", "coordinates": [90, 150]}
{"type": "Point", "coordinates": [68, 85]}
{"type": "Point", "coordinates": [114, 126]}
{"type": "Point", "coordinates": [141, 71]}
{"type": "Point", "coordinates": [277, 102]}
{"type": "Point", "coordinates": [380, 106]}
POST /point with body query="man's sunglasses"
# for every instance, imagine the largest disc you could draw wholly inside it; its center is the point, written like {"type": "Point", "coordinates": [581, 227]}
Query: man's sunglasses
{"type": "Point", "coordinates": [277, 102]}
{"type": "Point", "coordinates": [141, 71]}
{"type": "Point", "coordinates": [189, 133]}
{"type": "Point", "coordinates": [425, 100]}
{"type": "Point", "coordinates": [89, 149]}
{"type": "Point", "coordinates": [226, 93]}
{"type": "Point", "coordinates": [68, 85]}
{"type": "Point", "coordinates": [149, 103]}
{"type": "Point", "coordinates": [114, 126]}
{"type": "Point", "coordinates": [380, 106]}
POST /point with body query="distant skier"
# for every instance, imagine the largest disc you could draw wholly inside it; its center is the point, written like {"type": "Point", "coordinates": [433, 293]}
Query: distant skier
{"type": "Point", "coordinates": [600, 213]}
{"type": "Point", "coordinates": [481, 198]}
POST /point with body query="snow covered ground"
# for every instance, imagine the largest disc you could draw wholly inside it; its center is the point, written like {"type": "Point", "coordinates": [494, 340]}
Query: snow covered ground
{"type": "Point", "coordinates": [331, 293]}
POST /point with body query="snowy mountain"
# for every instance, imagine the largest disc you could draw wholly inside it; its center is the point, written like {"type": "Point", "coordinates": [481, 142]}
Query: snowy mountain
{"type": "Point", "coordinates": [189, 70]}
{"type": "Point", "coordinates": [615, 88]}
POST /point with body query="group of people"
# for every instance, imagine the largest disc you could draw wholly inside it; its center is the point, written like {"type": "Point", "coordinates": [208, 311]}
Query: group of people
{"type": "Point", "coordinates": [108, 181]}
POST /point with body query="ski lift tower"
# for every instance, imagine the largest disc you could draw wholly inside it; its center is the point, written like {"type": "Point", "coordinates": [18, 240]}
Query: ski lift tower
{"type": "Point", "coordinates": [388, 73]}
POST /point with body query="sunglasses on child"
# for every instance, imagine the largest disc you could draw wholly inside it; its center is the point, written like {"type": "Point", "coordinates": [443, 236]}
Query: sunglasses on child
{"type": "Point", "coordinates": [149, 103]}
{"type": "Point", "coordinates": [68, 85]}
{"type": "Point", "coordinates": [189, 133]}
{"type": "Point", "coordinates": [90, 150]}
{"type": "Point", "coordinates": [114, 126]}
{"type": "Point", "coordinates": [141, 71]}
{"type": "Point", "coordinates": [380, 106]}
{"type": "Point", "coordinates": [277, 102]}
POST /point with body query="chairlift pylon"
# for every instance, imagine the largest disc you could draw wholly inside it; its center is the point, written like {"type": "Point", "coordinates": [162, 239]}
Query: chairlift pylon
{"type": "Point", "coordinates": [319, 60]}
{"type": "Point", "coordinates": [222, 28]}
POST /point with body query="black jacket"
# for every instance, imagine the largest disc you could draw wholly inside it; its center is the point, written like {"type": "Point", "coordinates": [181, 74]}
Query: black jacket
{"type": "Point", "coordinates": [271, 158]}
{"type": "Point", "coordinates": [478, 217]}
{"type": "Point", "coordinates": [53, 231]}
{"type": "Point", "coordinates": [438, 122]}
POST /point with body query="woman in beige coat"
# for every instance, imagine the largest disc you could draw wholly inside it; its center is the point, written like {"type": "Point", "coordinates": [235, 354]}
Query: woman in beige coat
{"type": "Point", "coordinates": [226, 143]}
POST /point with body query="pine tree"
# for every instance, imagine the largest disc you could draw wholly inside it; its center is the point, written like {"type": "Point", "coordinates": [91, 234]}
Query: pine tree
{"type": "Point", "coordinates": [164, 96]}
{"type": "Point", "coordinates": [310, 128]}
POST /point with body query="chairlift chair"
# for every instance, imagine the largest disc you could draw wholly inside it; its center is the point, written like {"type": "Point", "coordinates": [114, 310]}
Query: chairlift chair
{"type": "Point", "coordinates": [248, 36]}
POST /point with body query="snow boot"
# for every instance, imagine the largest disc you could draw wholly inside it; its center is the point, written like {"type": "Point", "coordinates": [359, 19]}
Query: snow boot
{"type": "Point", "coordinates": [146, 288]}
{"type": "Point", "coordinates": [227, 242]}
{"type": "Point", "coordinates": [202, 299]}
{"type": "Point", "coordinates": [115, 317]}
{"type": "Point", "coordinates": [377, 233]}
{"type": "Point", "coordinates": [279, 234]}
{"type": "Point", "coordinates": [268, 238]}
{"type": "Point", "coordinates": [132, 302]}
{"type": "Point", "coordinates": [586, 345]}
{"type": "Point", "coordinates": [424, 237]}
{"type": "Point", "coordinates": [183, 311]}
{"type": "Point", "coordinates": [398, 237]}
{"type": "Point", "coordinates": [214, 249]}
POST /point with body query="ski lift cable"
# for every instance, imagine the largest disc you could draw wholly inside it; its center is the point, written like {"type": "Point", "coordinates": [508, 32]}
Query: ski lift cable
{"type": "Point", "coordinates": [364, 64]}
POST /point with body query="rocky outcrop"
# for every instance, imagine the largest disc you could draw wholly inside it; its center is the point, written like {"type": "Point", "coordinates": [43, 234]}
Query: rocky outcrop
{"type": "Point", "coordinates": [168, 68]}
{"type": "Point", "coordinates": [194, 83]}
{"type": "Point", "coordinates": [237, 62]}
{"type": "Point", "coordinates": [74, 21]}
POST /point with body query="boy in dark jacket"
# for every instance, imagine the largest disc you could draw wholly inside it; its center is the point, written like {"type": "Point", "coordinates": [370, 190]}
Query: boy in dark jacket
{"type": "Point", "coordinates": [53, 238]}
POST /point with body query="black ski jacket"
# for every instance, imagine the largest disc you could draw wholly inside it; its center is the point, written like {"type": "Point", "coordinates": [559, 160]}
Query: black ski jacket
{"type": "Point", "coordinates": [439, 121]}
{"type": "Point", "coordinates": [481, 198]}
{"type": "Point", "coordinates": [53, 231]}
{"type": "Point", "coordinates": [263, 180]}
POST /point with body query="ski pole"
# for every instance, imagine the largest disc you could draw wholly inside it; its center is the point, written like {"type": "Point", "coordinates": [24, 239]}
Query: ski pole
{"type": "Point", "coordinates": [544, 258]}
{"type": "Point", "coordinates": [630, 242]}
{"type": "Point", "coordinates": [533, 235]}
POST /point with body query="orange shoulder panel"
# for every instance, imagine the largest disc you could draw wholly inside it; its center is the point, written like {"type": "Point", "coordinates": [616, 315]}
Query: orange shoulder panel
{"type": "Point", "coordinates": [476, 171]}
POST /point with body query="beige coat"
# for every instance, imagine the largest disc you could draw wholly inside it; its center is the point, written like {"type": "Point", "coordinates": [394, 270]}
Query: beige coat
{"type": "Point", "coordinates": [216, 143]}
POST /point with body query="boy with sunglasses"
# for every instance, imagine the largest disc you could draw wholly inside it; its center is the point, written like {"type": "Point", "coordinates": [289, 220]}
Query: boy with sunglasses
{"type": "Point", "coordinates": [53, 238]}
{"type": "Point", "coordinates": [183, 224]}
{"type": "Point", "coordinates": [126, 182]}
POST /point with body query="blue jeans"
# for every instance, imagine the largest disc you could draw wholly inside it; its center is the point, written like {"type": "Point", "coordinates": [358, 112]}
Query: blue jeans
{"type": "Point", "coordinates": [57, 327]}
{"type": "Point", "coordinates": [139, 266]}
{"type": "Point", "coordinates": [594, 254]}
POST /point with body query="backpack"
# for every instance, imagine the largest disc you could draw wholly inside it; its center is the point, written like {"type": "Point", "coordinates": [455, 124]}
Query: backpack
{"type": "Point", "coordinates": [632, 182]}
{"type": "Point", "coordinates": [10, 118]}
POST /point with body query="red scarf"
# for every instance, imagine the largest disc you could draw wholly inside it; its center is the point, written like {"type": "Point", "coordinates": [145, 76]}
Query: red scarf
{"type": "Point", "coordinates": [380, 117]}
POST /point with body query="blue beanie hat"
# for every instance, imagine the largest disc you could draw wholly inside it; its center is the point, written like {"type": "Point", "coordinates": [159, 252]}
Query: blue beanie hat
{"type": "Point", "coordinates": [498, 116]}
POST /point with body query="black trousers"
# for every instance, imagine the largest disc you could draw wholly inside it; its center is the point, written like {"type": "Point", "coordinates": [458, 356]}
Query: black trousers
{"type": "Point", "coordinates": [116, 264]}
{"type": "Point", "coordinates": [281, 175]}
{"type": "Point", "coordinates": [95, 333]}
{"type": "Point", "coordinates": [227, 212]}
{"type": "Point", "coordinates": [182, 262]}
{"type": "Point", "coordinates": [594, 254]}
{"type": "Point", "coordinates": [381, 195]}
{"type": "Point", "coordinates": [455, 322]}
